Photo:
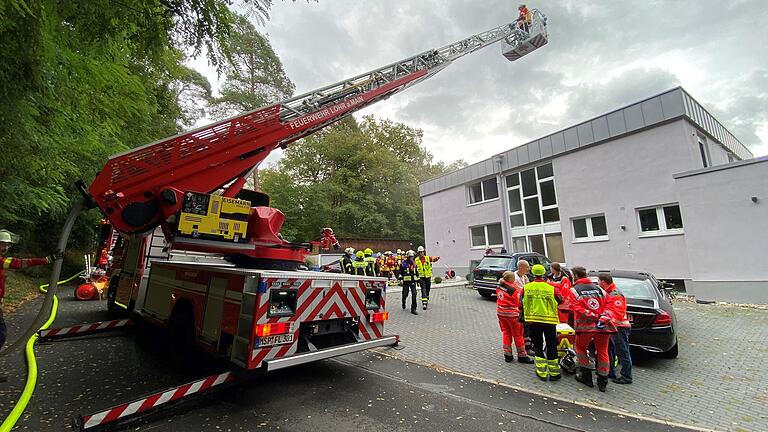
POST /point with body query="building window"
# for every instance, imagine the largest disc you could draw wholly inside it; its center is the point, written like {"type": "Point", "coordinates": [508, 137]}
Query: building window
{"type": "Point", "coordinates": [590, 228]}
{"type": "Point", "coordinates": [550, 245]}
{"type": "Point", "coordinates": [661, 220]}
{"type": "Point", "coordinates": [704, 151]}
{"type": "Point", "coordinates": [485, 190]}
{"type": "Point", "coordinates": [486, 236]}
{"type": "Point", "coordinates": [532, 198]}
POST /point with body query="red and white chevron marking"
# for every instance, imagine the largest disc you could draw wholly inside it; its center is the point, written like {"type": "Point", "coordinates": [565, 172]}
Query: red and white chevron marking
{"type": "Point", "coordinates": [316, 302]}
{"type": "Point", "coordinates": [136, 407]}
{"type": "Point", "coordinates": [85, 328]}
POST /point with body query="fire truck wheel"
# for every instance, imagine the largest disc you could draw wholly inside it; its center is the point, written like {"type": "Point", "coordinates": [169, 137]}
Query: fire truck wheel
{"type": "Point", "coordinates": [181, 331]}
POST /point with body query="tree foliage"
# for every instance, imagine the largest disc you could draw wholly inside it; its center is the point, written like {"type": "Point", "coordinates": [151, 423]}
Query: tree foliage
{"type": "Point", "coordinates": [253, 74]}
{"type": "Point", "coordinates": [361, 178]}
{"type": "Point", "coordinates": [80, 80]}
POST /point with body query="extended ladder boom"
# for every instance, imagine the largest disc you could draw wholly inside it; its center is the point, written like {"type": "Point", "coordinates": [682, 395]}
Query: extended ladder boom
{"type": "Point", "coordinates": [139, 189]}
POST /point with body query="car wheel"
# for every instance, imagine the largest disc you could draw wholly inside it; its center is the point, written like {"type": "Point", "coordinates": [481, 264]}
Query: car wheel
{"type": "Point", "coordinates": [672, 353]}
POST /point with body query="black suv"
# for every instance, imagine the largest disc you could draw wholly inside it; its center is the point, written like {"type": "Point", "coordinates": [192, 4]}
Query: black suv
{"type": "Point", "coordinates": [485, 277]}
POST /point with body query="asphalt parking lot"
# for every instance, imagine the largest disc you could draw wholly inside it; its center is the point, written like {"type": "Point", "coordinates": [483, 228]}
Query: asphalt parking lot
{"type": "Point", "coordinates": [717, 382]}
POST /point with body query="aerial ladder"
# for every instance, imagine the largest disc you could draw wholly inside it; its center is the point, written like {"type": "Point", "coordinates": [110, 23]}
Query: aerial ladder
{"type": "Point", "coordinates": [253, 306]}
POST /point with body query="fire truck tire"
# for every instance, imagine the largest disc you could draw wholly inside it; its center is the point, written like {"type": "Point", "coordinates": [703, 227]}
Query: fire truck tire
{"type": "Point", "coordinates": [181, 331]}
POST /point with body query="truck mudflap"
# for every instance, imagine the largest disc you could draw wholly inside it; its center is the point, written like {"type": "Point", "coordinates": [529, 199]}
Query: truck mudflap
{"type": "Point", "coordinates": [297, 359]}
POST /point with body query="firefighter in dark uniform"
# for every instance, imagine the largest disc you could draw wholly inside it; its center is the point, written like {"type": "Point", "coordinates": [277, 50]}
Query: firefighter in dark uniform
{"type": "Point", "coordinates": [360, 265]}
{"type": "Point", "coordinates": [346, 261]}
{"type": "Point", "coordinates": [410, 279]}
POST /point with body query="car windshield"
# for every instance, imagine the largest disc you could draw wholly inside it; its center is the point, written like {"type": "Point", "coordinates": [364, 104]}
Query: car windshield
{"type": "Point", "coordinates": [635, 288]}
{"type": "Point", "coordinates": [632, 288]}
{"type": "Point", "coordinates": [495, 262]}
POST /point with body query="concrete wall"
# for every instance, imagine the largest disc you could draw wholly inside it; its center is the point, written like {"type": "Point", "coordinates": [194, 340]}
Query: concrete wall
{"type": "Point", "coordinates": [726, 232]}
{"type": "Point", "coordinates": [447, 219]}
{"type": "Point", "coordinates": [617, 178]}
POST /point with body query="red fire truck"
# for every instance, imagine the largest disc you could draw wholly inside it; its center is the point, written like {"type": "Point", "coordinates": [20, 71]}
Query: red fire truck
{"type": "Point", "coordinates": [203, 256]}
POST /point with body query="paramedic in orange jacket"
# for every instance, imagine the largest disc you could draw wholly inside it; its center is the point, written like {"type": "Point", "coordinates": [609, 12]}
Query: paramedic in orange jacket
{"type": "Point", "coordinates": [590, 323]}
{"type": "Point", "coordinates": [616, 310]}
{"type": "Point", "coordinates": [562, 283]}
{"type": "Point", "coordinates": [508, 312]}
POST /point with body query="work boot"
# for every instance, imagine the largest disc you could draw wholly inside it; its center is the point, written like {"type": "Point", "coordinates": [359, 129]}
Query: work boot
{"type": "Point", "coordinates": [413, 311]}
{"type": "Point", "coordinates": [622, 380]}
{"type": "Point", "coordinates": [403, 305]}
{"type": "Point", "coordinates": [525, 359]}
{"type": "Point", "coordinates": [584, 376]}
{"type": "Point", "coordinates": [602, 383]}
{"type": "Point", "coordinates": [508, 358]}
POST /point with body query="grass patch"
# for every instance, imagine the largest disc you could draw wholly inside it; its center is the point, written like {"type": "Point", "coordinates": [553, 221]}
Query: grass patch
{"type": "Point", "coordinates": [19, 288]}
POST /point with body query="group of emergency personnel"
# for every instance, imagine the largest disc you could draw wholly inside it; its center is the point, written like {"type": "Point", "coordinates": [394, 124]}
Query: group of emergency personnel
{"type": "Point", "coordinates": [533, 309]}
{"type": "Point", "coordinates": [408, 267]}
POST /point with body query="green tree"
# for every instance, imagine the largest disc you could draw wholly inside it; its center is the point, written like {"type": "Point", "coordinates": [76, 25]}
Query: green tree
{"type": "Point", "coordinates": [80, 80]}
{"type": "Point", "coordinates": [253, 73]}
{"type": "Point", "coordinates": [361, 178]}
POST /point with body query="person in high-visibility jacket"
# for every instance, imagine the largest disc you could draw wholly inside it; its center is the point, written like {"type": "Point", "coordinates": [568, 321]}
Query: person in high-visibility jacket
{"type": "Point", "coordinates": [538, 306]}
{"type": "Point", "coordinates": [424, 270]}
{"type": "Point", "coordinates": [369, 258]}
{"type": "Point", "coordinates": [590, 323]}
{"type": "Point", "coordinates": [410, 279]}
{"type": "Point", "coordinates": [508, 312]}
{"type": "Point", "coordinates": [399, 257]}
{"type": "Point", "coordinates": [384, 268]}
{"type": "Point", "coordinates": [13, 263]}
{"type": "Point", "coordinates": [346, 261]}
{"type": "Point", "coordinates": [360, 265]}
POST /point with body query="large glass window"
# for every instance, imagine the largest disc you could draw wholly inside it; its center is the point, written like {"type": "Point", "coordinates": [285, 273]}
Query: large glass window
{"type": "Point", "coordinates": [590, 228]}
{"type": "Point", "coordinates": [486, 236]}
{"type": "Point", "coordinates": [532, 197]}
{"type": "Point", "coordinates": [548, 193]}
{"type": "Point", "coordinates": [529, 183]}
{"type": "Point", "coordinates": [519, 244]}
{"type": "Point", "coordinates": [514, 200]}
{"type": "Point", "coordinates": [483, 191]}
{"type": "Point", "coordinates": [555, 247]}
{"type": "Point", "coordinates": [532, 213]}
{"type": "Point", "coordinates": [660, 220]}
{"type": "Point", "coordinates": [537, 243]}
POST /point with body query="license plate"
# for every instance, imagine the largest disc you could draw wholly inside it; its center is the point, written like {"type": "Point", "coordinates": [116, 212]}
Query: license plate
{"type": "Point", "coordinates": [490, 278]}
{"type": "Point", "coordinates": [273, 340]}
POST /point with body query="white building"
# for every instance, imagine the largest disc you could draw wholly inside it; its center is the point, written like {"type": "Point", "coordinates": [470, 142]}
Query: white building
{"type": "Point", "coordinates": [650, 186]}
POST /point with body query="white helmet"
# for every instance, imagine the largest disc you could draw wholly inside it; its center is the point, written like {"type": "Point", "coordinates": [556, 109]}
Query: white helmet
{"type": "Point", "coordinates": [420, 249]}
{"type": "Point", "coordinates": [350, 250]}
{"type": "Point", "coordinates": [6, 237]}
{"type": "Point", "coordinates": [411, 253]}
{"type": "Point", "coordinates": [399, 251]}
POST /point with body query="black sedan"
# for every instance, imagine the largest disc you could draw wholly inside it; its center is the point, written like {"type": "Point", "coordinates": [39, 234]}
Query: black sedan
{"type": "Point", "coordinates": [649, 310]}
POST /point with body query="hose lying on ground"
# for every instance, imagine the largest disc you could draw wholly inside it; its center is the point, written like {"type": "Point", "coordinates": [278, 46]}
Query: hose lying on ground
{"type": "Point", "coordinates": [44, 288]}
{"type": "Point", "coordinates": [29, 387]}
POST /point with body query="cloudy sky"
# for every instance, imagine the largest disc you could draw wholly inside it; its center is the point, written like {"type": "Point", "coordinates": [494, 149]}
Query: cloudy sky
{"type": "Point", "coordinates": [601, 55]}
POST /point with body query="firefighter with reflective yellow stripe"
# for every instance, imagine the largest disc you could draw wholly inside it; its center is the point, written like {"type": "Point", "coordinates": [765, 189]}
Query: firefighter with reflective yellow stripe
{"type": "Point", "coordinates": [369, 258]}
{"type": "Point", "coordinates": [346, 261]}
{"type": "Point", "coordinates": [360, 265]}
{"type": "Point", "coordinates": [538, 306]}
{"type": "Point", "coordinates": [410, 278]}
{"type": "Point", "coordinates": [12, 263]}
{"type": "Point", "coordinates": [424, 269]}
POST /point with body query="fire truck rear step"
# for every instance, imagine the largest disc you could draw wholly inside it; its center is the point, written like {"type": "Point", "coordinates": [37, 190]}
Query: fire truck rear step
{"type": "Point", "coordinates": [280, 363]}
{"type": "Point", "coordinates": [84, 329]}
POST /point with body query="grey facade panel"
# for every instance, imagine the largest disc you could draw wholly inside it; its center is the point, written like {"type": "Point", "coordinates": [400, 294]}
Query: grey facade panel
{"type": "Point", "coordinates": [600, 128]}
{"type": "Point", "coordinates": [545, 147]}
{"type": "Point", "coordinates": [652, 111]}
{"type": "Point", "coordinates": [586, 136]}
{"type": "Point", "coordinates": [489, 167]}
{"type": "Point", "coordinates": [672, 104]}
{"type": "Point", "coordinates": [534, 153]}
{"type": "Point", "coordinates": [571, 139]}
{"type": "Point", "coordinates": [633, 115]}
{"type": "Point", "coordinates": [522, 155]}
{"type": "Point", "coordinates": [558, 143]}
{"type": "Point", "coordinates": [616, 124]}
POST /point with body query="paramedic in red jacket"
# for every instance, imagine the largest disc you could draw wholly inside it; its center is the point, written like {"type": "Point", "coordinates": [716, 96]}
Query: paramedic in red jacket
{"type": "Point", "coordinates": [616, 310]}
{"type": "Point", "coordinates": [562, 283]}
{"type": "Point", "coordinates": [588, 306]}
{"type": "Point", "coordinates": [508, 311]}
{"type": "Point", "coordinates": [11, 263]}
